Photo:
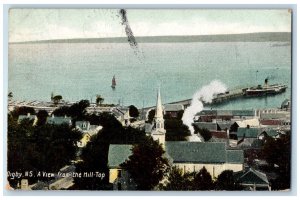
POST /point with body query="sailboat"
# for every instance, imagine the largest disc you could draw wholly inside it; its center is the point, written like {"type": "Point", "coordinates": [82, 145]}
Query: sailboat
{"type": "Point", "coordinates": [113, 82]}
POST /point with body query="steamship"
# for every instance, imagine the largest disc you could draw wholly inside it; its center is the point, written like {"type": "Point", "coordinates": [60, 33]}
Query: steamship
{"type": "Point", "coordinates": [265, 90]}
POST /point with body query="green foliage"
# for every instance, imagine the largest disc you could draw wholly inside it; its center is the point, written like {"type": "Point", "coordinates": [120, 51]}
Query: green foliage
{"type": "Point", "coordinates": [133, 111]}
{"type": "Point", "coordinates": [179, 181]}
{"type": "Point", "coordinates": [23, 110]}
{"type": "Point", "coordinates": [226, 181]}
{"type": "Point", "coordinates": [42, 117]}
{"type": "Point", "coordinates": [205, 133]}
{"type": "Point", "coordinates": [203, 180]}
{"type": "Point", "coordinates": [39, 148]}
{"type": "Point", "coordinates": [56, 99]}
{"type": "Point", "coordinates": [180, 114]}
{"type": "Point", "coordinates": [61, 111]}
{"type": "Point", "coordinates": [176, 130]}
{"type": "Point", "coordinates": [151, 115]}
{"type": "Point", "coordinates": [95, 154]}
{"type": "Point", "coordinates": [94, 157]}
{"type": "Point", "coordinates": [78, 110]}
{"type": "Point", "coordinates": [99, 100]}
{"type": "Point", "coordinates": [147, 165]}
{"type": "Point", "coordinates": [278, 152]}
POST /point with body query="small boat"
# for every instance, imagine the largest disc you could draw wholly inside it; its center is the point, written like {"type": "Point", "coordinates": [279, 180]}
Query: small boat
{"type": "Point", "coordinates": [113, 82]}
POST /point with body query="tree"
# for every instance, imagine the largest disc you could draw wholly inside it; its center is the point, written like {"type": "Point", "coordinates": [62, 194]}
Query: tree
{"type": "Point", "coordinates": [151, 115]}
{"type": "Point", "coordinates": [23, 110]}
{"type": "Point", "coordinates": [179, 181]}
{"type": "Point", "coordinates": [203, 180]}
{"type": "Point", "coordinates": [95, 154]}
{"type": "Point", "coordinates": [78, 110]}
{"type": "Point", "coordinates": [10, 95]}
{"type": "Point", "coordinates": [147, 165]}
{"type": "Point", "coordinates": [133, 111]}
{"type": "Point", "coordinates": [62, 111]}
{"type": "Point", "coordinates": [277, 152]}
{"type": "Point", "coordinates": [39, 148]}
{"type": "Point", "coordinates": [226, 181]}
{"type": "Point", "coordinates": [176, 130]}
{"type": "Point", "coordinates": [99, 100]}
{"type": "Point", "coordinates": [205, 133]}
{"type": "Point", "coordinates": [56, 99]}
{"type": "Point", "coordinates": [42, 117]}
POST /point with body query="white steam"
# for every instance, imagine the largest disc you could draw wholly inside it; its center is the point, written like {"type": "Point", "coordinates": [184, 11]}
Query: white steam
{"type": "Point", "coordinates": [205, 94]}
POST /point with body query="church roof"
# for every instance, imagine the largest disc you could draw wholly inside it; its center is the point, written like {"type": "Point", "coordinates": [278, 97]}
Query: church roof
{"type": "Point", "coordinates": [117, 154]}
{"type": "Point", "coordinates": [196, 152]}
{"type": "Point", "coordinates": [234, 156]}
{"type": "Point", "coordinates": [182, 152]}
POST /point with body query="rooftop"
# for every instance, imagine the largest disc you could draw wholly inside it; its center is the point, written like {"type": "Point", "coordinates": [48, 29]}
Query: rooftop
{"type": "Point", "coordinates": [117, 154]}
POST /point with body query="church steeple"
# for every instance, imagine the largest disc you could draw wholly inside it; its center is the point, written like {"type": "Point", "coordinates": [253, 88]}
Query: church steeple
{"type": "Point", "coordinates": [159, 109]}
{"type": "Point", "coordinates": [158, 132]}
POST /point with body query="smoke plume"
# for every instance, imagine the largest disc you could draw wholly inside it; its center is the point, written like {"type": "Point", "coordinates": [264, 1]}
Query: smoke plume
{"type": "Point", "coordinates": [204, 94]}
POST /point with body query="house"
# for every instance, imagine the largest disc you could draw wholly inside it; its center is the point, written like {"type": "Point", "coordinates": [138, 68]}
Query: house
{"type": "Point", "coordinates": [255, 132]}
{"type": "Point", "coordinates": [122, 116]}
{"type": "Point", "coordinates": [271, 122]}
{"type": "Point", "coordinates": [254, 137]}
{"type": "Point", "coordinates": [59, 120]}
{"type": "Point", "coordinates": [206, 125]}
{"type": "Point", "coordinates": [82, 125]}
{"type": "Point", "coordinates": [206, 116]}
{"type": "Point", "coordinates": [120, 178]}
{"type": "Point", "coordinates": [87, 130]}
{"type": "Point", "coordinates": [30, 117]}
{"type": "Point", "coordinates": [252, 180]}
{"type": "Point", "coordinates": [254, 122]}
{"type": "Point", "coordinates": [224, 115]}
{"type": "Point", "coordinates": [243, 114]}
{"type": "Point", "coordinates": [173, 109]}
{"type": "Point", "coordinates": [224, 125]}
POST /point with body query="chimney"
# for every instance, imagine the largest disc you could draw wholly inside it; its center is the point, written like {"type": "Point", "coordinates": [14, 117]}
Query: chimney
{"type": "Point", "coordinates": [52, 115]}
{"type": "Point", "coordinates": [28, 114]}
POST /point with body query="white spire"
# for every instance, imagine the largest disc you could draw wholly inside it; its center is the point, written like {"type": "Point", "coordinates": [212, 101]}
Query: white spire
{"type": "Point", "coordinates": [159, 109]}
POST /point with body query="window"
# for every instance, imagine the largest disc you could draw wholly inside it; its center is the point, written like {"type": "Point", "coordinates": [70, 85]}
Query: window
{"type": "Point", "coordinates": [119, 173]}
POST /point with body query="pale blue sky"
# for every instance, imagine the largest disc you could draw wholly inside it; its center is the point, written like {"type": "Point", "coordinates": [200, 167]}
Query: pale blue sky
{"type": "Point", "coordinates": [45, 24]}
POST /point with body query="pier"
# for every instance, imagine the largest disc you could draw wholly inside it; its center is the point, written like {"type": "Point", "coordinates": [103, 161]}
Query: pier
{"type": "Point", "coordinates": [219, 98]}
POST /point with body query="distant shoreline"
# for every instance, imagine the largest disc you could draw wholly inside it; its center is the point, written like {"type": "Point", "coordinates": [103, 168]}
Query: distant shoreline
{"type": "Point", "coordinates": [244, 37]}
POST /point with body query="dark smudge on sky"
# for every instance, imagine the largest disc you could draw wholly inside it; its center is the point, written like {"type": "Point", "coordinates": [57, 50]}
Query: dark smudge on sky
{"type": "Point", "coordinates": [130, 37]}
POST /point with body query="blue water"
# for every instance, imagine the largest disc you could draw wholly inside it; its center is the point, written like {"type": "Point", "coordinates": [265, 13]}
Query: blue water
{"type": "Point", "coordinates": [82, 70]}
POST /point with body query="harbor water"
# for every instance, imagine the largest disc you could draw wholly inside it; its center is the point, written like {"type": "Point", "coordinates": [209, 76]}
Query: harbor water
{"type": "Point", "coordinates": [83, 70]}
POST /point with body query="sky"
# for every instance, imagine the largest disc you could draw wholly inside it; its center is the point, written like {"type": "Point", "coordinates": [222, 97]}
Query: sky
{"type": "Point", "coordinates": [47, 24]}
